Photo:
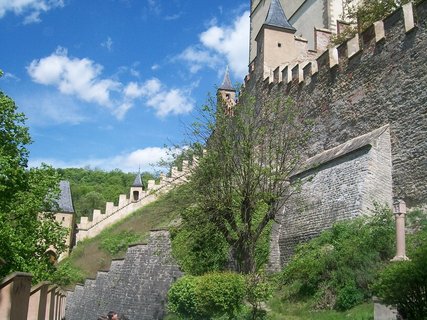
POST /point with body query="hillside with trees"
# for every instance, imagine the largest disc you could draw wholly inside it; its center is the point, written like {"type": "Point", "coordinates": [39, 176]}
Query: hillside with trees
{"type": "Point", "coordinates": [91, 188]}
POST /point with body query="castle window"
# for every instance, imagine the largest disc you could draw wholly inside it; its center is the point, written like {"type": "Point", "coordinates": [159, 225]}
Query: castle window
{"type": "Point", "coordinates": [279, 44]}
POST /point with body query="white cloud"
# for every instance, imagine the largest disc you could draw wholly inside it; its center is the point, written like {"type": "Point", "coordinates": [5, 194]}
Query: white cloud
{"type": "Point", "coordinates": [232, 42]}
{"type": "Point", "coordinates": [154, 6]}
{"type": "Point", "coordinates": [199, 57]}
{"type": "Point", "coordinates": [108, 44]}
{"type": "Point", "coordinates": [147, 159]}
{"type": "Point", "coordinates": [73, 76]}
{"type": "Point", "coordinates": [82, 78]}
{"type": "Point", "coordinates": [165, 101]}
{"type": "Point", "coordinates": [174, 101]}
{"type": "Point", "coordinates": [10, 77]}
{"type": "Point", "coordinates": [133, 90]}
{"type": "Point", "coordinates": [47, 108]}
{"type": "Point", "coordinates": [31, 8]}
{"type": "Point", "coordinates": [219, 42]}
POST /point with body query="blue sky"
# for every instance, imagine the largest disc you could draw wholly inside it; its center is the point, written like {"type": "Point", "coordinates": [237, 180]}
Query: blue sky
{"type": "Point", "coordinates": [107, 83]}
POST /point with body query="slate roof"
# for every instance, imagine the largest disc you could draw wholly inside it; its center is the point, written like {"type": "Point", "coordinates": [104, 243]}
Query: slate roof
{"type": "Point", "coordinates": [138, 181]}
{"type": "Point", "coordinates": [65, 203]}
{"type": "Point", "coordinates": [276, 17]}
{"type": "Point", "coordinates": [226, 83]}
{"type": "Point", "coordinates": [354, 144]}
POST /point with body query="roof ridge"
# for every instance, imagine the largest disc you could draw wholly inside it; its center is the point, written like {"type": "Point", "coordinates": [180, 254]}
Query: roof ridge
{"type": "Point", "coordinates": [276, 17]}
{"type": "Point", "coordinates": [226, 83]}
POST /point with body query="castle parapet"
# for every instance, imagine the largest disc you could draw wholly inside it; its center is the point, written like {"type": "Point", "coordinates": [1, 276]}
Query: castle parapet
{"type": "Point", "coordinates": [89, 229]}
{"type": "Point", "coordinates": [311, 62]}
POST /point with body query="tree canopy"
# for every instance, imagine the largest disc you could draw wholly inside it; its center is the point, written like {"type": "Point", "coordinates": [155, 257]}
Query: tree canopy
{"type": "Point", "coordinates": [27, 201]}
{"type": "Point", "coordinates": [243, 178]}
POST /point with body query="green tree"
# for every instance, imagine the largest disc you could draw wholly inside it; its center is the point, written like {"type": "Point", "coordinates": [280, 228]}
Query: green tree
{"type": "Point", "coordinates": [242, 181]}
{"type": "Point", "coordinates": [364, 14]}
{"type": "Point", "coordinates": [27, 199]}
{"type": "Point", "coordinates": [92, 188]}
{"type": "Point", "coordinates": [88, 202]}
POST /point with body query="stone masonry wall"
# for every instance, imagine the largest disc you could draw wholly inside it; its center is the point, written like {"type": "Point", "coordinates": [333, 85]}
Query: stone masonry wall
{"type": "Point", "coordinates": [376, 79]}
{"type": "Point", "coordinates": [339, 184]}
{"type": "Point", "coordinates": [135, 286]}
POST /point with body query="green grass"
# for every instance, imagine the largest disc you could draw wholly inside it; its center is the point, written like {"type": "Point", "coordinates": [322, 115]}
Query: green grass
{"type": "Point", "coordinates": [284, 310]}
{"type": "Point", "coordinates": [95, 254]}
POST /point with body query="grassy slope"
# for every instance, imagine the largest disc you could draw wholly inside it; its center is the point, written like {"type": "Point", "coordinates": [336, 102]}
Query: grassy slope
{"type": "Point", "coordinates": [89, 257]}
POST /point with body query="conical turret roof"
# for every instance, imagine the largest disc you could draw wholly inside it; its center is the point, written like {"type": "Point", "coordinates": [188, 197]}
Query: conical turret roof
{"type": "Point", "coordinates": [226, 83]}
{"type": "Point", "coordinates": [276, 17]}
{"type": "Point", "coordinates": [138, 181]}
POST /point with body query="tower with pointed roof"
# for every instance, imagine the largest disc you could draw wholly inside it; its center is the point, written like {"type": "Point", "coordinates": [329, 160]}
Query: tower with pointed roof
{"type": "Point", "coordinates": [313, 20]}
{"type": "Point", "coordinates": [137, 188]}
{"type": "Point", "coordinates": [276, 42]}
{"type": "Point", "coordinates": [227, 93]}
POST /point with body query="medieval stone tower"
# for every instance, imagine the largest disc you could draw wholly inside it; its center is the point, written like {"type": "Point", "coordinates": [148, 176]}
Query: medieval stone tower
{"type": "Point", "coordinates": [137, 188]}
{"type": "Point", "coordinates": [227, 93]}
{"type": "Point", "coordinates": [307, 17]}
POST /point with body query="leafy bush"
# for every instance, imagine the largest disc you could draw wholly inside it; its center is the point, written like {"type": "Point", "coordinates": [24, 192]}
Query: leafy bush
{"type": "Point", "coordinates": [115, 243]}
{"type": "Point", "coordinates": [197, 245]}
{"type": "Point", "coordinates": [338, 267]}
{"type": "Point", "coordinates": [182, 298]}
{"type": "Point", "coordinates": [208, 296]}
{"type": "Point", "coordinates": [404, 284]}
{"type": "Point", "coordinates": [364, 15]}
{"type": "Point", "coordinates": [258, 291]}
{"type": "Point", "coordinates": [66, 274]}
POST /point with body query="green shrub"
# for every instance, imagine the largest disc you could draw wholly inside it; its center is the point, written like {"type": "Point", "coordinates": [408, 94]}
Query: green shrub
{"type": "Point", "coordinates": [197, 245]}
{"type": "Point", "coordinates": [258, 291]}
{"type": "Point", "coordinates": [66, 274]}
{"type": "Point", "coordinates": [348, 297]}
{"type": "Point", "coordinates": [115, 243]}
{"type": "Point", "coordinates": [182, 298]}
{"type": "Point", "coordinates": [364, 15]}
{"type": "Point", "coordinates": [338, 267]}
{"type": "Point", "coordinates": [208, 296]}
{"type": "Point", "coordinates": [221, 294]}
{"type": "Point", "coordinates": [404, 284]}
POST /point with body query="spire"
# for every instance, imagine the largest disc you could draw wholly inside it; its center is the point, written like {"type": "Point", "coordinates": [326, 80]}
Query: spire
{"type": "Point", "coordinates": [138, 181]}
{"type": "Point", "coordinates": [226, 83]}
{"type": "Point", "coordinates": [276, 17]}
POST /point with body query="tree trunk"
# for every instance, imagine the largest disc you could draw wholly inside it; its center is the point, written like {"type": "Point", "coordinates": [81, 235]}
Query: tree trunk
{"type": "Point", "coordinates": [243, 254]}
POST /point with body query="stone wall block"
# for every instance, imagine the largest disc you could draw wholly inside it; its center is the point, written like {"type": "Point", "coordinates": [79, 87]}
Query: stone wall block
{"type": "Point", "coordinates": [408, 16]}
{"type": "Point", "coordinates": [15, 296]}
{"type": "Point", "coordinates": [353, 46]}
{"type": "Point", "coordinates": [38, 299]}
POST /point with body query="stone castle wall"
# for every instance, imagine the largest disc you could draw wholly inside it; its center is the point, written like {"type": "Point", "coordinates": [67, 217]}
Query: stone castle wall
{"type": "Point", "coordinates": [100, 221]}
{"type": "Point", "coordinates": [366, 83]}
{"type": "Point", "coordinates": [338, 184]}
{"type": "Point", "coordinates": [375, 79]}
{"type": "Point", "coordinates": [135, 286]}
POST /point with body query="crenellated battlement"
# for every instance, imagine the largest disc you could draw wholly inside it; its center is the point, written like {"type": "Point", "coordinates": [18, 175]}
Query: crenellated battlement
{"type": "Point", "coordinates": [126, 205]}
{"type": "Point", "coordinates": [309, 62]}
{"type": "Point", "coordinates": [377, 79]}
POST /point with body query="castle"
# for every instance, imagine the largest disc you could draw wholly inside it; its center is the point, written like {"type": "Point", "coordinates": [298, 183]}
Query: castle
{"type": "Point", "coordinates": [368, 101]}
